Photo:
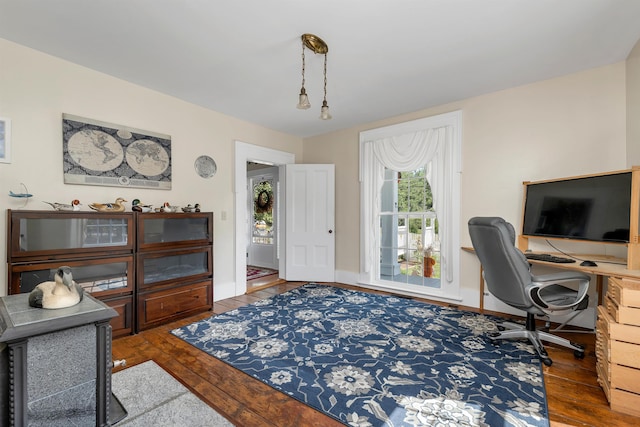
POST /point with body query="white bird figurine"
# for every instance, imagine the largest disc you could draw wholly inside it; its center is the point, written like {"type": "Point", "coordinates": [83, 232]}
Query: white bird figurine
{"type": "Point", "coordinates": [138, 206]}
{"type": "Point", "coordinates": [116, 206]}
{"type": "Point", "coordinates": [73, 206]}
{"type": "Point", "coordinates": [62, 292]}
{"type": "Point", "coordinates": [166, 207]}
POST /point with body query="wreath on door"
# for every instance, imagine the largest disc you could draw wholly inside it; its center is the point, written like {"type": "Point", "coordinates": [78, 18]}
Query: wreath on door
{"type": "Point", "coordinates": [264, 201]}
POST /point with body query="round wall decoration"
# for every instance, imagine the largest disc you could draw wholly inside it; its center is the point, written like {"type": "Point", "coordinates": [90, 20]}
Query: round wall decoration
{"type": "Point", "coordinates": [264, 201]}
{"type": "Point", "coordinates": [205, 166]}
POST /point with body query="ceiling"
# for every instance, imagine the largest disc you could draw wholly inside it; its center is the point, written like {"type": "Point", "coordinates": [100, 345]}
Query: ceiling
{"type": "Point", "coordinates": [386, 57]}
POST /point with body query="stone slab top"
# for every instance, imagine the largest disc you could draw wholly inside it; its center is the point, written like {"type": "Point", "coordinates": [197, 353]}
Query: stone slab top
{"type": "Point", "coordinates": [19, 320]}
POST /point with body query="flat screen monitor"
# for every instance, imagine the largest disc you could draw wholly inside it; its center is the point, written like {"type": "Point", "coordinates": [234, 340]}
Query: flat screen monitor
{"type": "Point", "coordinates": [594, 208]}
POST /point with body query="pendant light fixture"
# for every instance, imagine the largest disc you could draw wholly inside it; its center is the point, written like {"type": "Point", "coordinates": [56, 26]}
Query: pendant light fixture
{"type": "Point", "coordinates": [303, 102]}
{"type": "Point", "coordinates": [318, 46]}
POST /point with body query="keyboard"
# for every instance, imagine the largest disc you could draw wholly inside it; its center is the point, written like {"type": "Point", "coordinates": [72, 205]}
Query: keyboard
{"type": "Point", "coordinates": [548, 258]}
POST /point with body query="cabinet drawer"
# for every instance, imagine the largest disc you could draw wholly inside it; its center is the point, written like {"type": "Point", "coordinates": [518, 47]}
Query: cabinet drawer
{"type": "Point", "coordinates": [123, 324]}
{"type": "Point", "coordinates": [621, 313]}
{"type": "Point", "coordinates": [624, 291]}
{"type": "Point", "coordinates": [162, 306]}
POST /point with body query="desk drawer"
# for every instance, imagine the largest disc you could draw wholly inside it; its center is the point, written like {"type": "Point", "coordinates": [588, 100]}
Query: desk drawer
{"type": "Point", "coordinates": [625, 378]}
{"type": "Point", "coordinates": [616, 331]}
{"type": "Point", "coordinates": [625, 402]}
{"type": "Point", "coordinates": [621, 313]}
{"type": "Point", "coordinates": [625, 291]}
{"type": "Point", "coordinates": [624, 353]}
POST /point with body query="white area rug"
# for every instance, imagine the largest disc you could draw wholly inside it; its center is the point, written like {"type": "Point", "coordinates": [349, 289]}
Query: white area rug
{"type": "Point", "coordinates": [152, 397]}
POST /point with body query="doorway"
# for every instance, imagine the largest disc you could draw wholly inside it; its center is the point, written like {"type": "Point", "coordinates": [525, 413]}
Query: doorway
{"type": "Point", "coordinates": [262, 230]}
{"type": "Point", "coordinates": [245, 153]}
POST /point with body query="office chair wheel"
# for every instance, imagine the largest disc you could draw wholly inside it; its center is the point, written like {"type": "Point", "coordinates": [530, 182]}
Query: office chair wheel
{"type": "Point", "coordinates": [547, 361]}
{"type": "Point", "coordinates": [579, 352]}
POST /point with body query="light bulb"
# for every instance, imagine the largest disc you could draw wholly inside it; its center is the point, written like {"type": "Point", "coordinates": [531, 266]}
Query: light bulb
{"type": "Point", "coordinates": [303, 101]}
{"type": "Point", "coordinates": [324, 111]}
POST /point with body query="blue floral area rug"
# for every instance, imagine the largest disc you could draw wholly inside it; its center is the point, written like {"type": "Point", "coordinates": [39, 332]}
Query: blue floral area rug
{"type": "Point", "coordinates": [374, 360]}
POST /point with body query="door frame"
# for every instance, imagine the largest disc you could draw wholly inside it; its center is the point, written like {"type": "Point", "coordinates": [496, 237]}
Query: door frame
{"type": "Point", "coordinates": [249, 153]}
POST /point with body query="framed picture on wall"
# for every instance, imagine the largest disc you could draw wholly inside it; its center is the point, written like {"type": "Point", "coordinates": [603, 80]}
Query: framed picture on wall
{"type": "Point", "coordinates": [101, 153]}
{"type": "Point", "coordinates": [5, 140]}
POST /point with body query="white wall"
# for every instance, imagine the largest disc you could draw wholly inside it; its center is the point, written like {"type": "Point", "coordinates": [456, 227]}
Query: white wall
{"type": "Point", "coordinates": [35, 89]}
{"type": "Point", "coordinates": [566, 126]}
{"type": "Point", "coordinates": [633, 107]}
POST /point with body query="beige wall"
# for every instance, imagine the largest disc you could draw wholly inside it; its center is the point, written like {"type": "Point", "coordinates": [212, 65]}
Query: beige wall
{"type": "Point", "coordinates": [566, 126]}
{"type": "Point", "coordinates": [633, 106]}
{"type": "Point", "coordinates": [35, 89]}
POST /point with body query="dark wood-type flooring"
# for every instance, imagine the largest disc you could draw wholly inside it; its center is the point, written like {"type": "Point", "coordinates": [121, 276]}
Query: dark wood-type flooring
{"type": "Point", "coordinates": [573, 393]}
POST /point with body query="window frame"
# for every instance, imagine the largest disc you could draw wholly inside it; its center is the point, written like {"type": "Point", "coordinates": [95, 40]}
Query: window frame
{"type": "Point", "coordinates": [450, 289]}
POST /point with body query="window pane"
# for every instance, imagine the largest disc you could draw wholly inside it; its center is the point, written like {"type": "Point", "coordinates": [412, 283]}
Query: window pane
{"type": "Point", "coordinates": [409, 243]}
{"type": "Point", "coordinates": [416, 195]}
{"type": "Point", "coordinates": [403, 195]}
{"type": "Point", "coordinates": [263, 202]}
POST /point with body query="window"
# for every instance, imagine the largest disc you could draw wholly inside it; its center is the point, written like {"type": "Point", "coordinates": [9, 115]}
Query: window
{"type": "Point", "coordinates": [410, 206]}
{"type": "Point", "coordinates": [409, 241]}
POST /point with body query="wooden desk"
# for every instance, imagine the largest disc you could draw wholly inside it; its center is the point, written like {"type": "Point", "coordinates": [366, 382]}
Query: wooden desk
{"type": "Point", "coordinates": [607, 267]}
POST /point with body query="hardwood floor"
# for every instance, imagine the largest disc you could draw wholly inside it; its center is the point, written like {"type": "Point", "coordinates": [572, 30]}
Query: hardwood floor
{"type": "Point", "coordinates": [573, 394]}
{"type": "Point", "coordinates": [263, 282]}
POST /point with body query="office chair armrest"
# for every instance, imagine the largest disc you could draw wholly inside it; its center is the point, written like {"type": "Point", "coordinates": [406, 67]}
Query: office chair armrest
{"type": "Point", "coordinates": [560, 277]}
{"type": "Point", "coordinates": [559, 298]}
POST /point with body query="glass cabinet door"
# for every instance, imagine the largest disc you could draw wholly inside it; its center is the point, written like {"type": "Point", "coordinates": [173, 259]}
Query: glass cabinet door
{"type": "Point", "coordinates": [99, 277]}
{"type": "Point", "coordinates": [63, 234]}
{"type": "Point", "coordinates": [158, 230]}
{"type": "Point", "coordinates": [170, 267]}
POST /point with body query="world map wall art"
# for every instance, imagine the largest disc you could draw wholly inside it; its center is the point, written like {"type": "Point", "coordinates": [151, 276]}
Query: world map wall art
{"type": "Point", "coordinates": [99, 153]}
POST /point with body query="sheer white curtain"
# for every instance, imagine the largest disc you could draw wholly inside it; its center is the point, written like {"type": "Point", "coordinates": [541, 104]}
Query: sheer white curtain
{"type": "Point", "coordinates": [405, 153]}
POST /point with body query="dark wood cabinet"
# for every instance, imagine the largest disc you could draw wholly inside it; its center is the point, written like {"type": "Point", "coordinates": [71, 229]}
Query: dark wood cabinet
{"type": "Point", "coordinates": [162, 263]}
{"type": "Point", "coordinates": [174, 266]}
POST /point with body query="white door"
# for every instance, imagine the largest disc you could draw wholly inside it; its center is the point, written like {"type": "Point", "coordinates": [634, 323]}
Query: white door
{"type": "Point", "coordinates": [309, 222]}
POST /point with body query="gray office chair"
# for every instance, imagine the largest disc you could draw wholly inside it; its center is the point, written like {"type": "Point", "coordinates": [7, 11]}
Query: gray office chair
{"type": "Point", "coordinates": [508, 278]}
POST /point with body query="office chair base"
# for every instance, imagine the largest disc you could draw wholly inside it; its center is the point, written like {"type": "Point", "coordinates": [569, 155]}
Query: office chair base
{"type": "Point", "coordinates": [535, 337]}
